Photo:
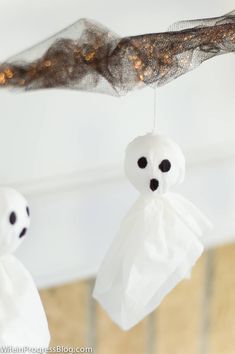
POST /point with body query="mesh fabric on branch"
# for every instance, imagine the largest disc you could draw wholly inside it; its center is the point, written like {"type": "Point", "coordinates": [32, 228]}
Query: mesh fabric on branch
{"type": "Point", "coordinates": [87, 56]}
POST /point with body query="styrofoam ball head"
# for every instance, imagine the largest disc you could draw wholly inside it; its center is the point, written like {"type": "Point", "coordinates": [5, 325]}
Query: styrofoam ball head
{"type": "Point", "coordinates": [14, 219]}
{"type": "Point", "coordinates": [154, 163]}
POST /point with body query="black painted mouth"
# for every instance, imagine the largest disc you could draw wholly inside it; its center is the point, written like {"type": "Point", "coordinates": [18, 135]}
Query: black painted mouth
{"type": "Point", "coordinates": [154, 184]}
{"type": "Point", "coordinates": [23, 232]}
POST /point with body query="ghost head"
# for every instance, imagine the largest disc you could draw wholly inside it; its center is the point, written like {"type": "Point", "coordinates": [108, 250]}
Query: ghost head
{"type": "Point", "coordinates": [154, 163]}
{"type": "Point", "coordinates": [14, 220]}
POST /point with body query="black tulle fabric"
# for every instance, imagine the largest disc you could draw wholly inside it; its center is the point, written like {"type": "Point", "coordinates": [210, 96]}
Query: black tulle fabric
{"type": "Point", "coordinates": [87, 56]}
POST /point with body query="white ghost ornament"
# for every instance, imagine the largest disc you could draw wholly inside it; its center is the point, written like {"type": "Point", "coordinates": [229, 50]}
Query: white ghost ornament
{"type": "Point", "coordinates": [159, 239]}
{"type": "Point", "coordinates": [22, 319]}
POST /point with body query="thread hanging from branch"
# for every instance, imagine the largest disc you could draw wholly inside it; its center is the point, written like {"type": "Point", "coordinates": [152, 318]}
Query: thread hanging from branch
{"type": "Point", "coordinates": [155, 111]}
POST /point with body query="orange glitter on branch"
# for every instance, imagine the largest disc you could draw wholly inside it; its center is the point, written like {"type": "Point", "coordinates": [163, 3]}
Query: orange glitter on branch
{"type": "Point", "coordinates": [2, 79]}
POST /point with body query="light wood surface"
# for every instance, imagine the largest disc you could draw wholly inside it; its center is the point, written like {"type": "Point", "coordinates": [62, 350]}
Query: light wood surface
{"type": "Point", "coordinates": [222, 334]}
{"type": "Point", "coordinates": [66, 311]}
{"type": "Point", "coordinates": [112, 340]}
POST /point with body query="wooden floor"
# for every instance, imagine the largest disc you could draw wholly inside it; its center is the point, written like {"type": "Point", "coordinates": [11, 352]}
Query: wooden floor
{"type": "Point", "coordinates": [197, 317]}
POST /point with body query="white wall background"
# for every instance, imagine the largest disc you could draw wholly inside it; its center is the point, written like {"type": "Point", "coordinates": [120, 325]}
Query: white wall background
{"type": "Point", "coordinates": [64, 149]}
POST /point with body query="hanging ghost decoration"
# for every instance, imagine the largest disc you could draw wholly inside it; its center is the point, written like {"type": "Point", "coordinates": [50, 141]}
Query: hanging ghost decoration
{"type": "Point", "coordinates": [22, 319]}
{"type": "Point", "coordinates": [159, 240]}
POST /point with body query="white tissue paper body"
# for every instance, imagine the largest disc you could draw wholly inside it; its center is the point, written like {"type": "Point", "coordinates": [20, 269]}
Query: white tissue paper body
{"type": "Point", "coordinates": [23, 323]}
{"type": "Point", "coordinates": [159, 239]}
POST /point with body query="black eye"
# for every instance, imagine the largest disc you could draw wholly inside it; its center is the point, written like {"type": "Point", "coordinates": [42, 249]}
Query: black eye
{"type": "Point", "coordinates": [142, 162]}
{"type": "Point", "coordinates": [165, 165]}
{"type": "Point", "coordinates": [27, 211]}
{"type": "Point", "coordinates": [12, 218]}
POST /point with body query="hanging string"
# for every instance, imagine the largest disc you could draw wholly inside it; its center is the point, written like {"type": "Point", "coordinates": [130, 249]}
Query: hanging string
{"type": "Point", "coordinates": [155, 111]}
